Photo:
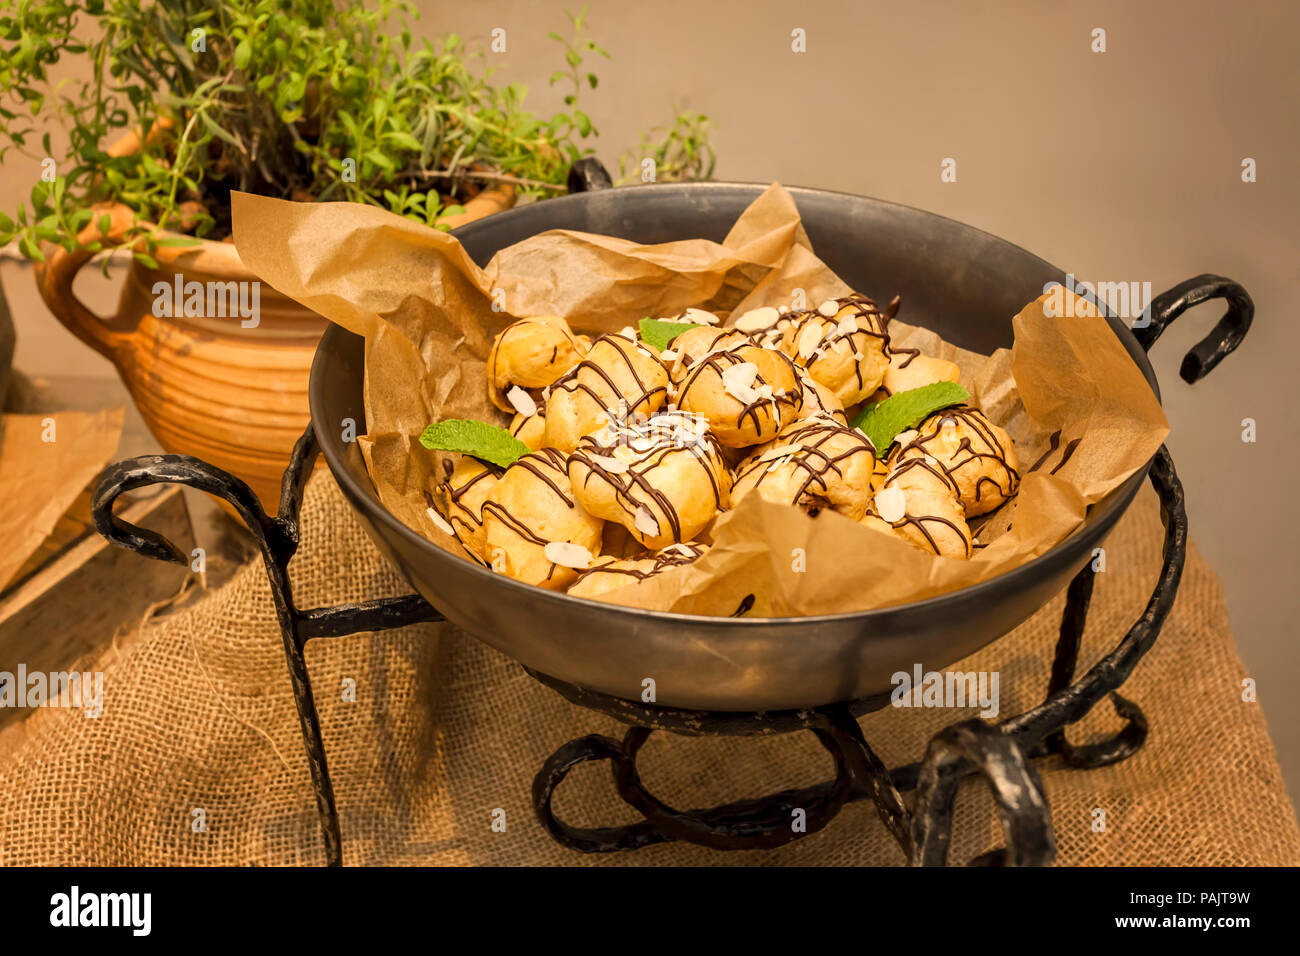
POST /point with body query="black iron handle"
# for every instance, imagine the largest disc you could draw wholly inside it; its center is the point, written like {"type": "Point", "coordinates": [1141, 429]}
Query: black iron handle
{"type": "Point", "coordinates": [589, 174]}
{"type": "Point", "coordinates": [1223, 338]}
{"type": "Point", "coordinates": [146, 470]}
{"type": "Point", "coordinates": [277, 537]}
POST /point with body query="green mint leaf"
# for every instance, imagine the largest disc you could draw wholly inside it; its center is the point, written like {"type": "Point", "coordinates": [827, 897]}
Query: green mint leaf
{"type": "Point", "coordinates": [659, 332]}
{"type": "Point", "coordinates": [477, 439]}
{"type": "Point", "coordinates": [883, 421]}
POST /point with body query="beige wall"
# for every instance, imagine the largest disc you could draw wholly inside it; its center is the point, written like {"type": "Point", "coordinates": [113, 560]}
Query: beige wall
{"type": "Point", "coordinates": [1122, 165]}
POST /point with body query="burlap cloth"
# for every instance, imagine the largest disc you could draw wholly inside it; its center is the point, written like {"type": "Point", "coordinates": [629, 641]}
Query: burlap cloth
{"type": "Point", "coordinates": [445, 731]}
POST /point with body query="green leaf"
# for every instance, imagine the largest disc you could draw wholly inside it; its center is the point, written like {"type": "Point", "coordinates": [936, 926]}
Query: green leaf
{"type": "Point", "coordinates": [478, 439]}
{"type": "Point", "coordinates": [242, 54]}
{"type": "Point", "coordinates": [211, 125]}
{"type": "Point", "coordinates": [149, 262]}
{"type": "Point", "coordinates": [379, 159]}
{"type": "Point", "coordinates": [403, 139]}
{"type": "Point", "coordinates": [659, 332]}
{"type": "Point", "coordinates": [883, 421]}
{"type": "Point", "coordinates": [30, 249]}
{"type": "Point", "coordinates": [181, 241]}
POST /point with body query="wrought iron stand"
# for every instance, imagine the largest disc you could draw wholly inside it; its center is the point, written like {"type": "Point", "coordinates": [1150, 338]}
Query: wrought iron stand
{"type": "Point", "coordinates": [1001, 753]}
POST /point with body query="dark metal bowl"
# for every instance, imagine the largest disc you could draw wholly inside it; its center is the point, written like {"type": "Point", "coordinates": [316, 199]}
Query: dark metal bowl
{"type": "Point", "coordinates": [962, 283]}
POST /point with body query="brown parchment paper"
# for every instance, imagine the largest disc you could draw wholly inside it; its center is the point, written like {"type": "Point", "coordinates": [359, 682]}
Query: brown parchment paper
{"type": "Point", "coordinates": [427, 314]}
{"type": "Point", "coordinates": [40, 479]}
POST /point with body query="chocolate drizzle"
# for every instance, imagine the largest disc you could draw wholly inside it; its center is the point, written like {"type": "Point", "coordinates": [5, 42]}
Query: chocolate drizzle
{"type": "Point", "coordinates": [459, 514]}
{"type": "Point", "coordinates": [925, 463]}
{"type": "Point", "coordinates": [735, 339]}
{"type": "Point", "coordinates": [910, 353]}
{"type": "Point", "coordinates": [1054, 442]}
{"type": "Point", "coordinates": [918, 522]}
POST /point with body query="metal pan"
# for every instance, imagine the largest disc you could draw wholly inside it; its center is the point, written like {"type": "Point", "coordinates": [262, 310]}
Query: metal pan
{"type": "Point", "coordinates": [963, 283]}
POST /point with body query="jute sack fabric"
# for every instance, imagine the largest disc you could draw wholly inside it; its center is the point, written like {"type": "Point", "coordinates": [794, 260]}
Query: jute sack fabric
{"type": "Point", "coordinates": [197, 759]}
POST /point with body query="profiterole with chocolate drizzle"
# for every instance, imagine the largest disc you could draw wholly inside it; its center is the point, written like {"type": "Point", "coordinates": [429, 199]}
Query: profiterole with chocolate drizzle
{"type": "Point", "coordinates": [654, 432]}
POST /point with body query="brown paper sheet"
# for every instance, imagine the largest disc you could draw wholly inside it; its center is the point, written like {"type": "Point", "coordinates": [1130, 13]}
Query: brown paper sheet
{"type": "Point", "coordinates": [426, 312]}
{"type": "Point", "coordinates": [39, 479]}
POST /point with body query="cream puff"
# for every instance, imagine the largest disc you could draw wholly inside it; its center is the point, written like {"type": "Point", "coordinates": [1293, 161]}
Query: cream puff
{"type": "Point", "coordinates": [978, 454]}
{"type": "Point", "coordinates": [748, 394]}
{"type": "Point", "coordinates": [843, 344]}
{"type": "Point", "coordinates": [534, 530]}
{"type": "Point", "coordinates": [530, 354]}
{"type": "Point", "coordinates": [814, 463]}
{"type": "Point", "coordinates": [530, 429]}
{"type": "Point", "coordinates": [663, 480]}
{"type": "Point", "coordinates": [820, 400]}
{"type": "Point", "coordinates": [909, 369]}
{"type": "Point", "coordinates": [918, 503]}
{"type": "Point", "coordinates": [620, 379]}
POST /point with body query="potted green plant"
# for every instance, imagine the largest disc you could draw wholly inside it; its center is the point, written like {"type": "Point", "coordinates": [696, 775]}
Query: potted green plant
{"type": "Point", "coordinates": [314, 100]}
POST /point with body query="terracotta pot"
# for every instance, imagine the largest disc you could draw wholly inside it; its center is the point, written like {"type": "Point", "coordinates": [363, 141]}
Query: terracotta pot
{"type": "Point", "coordinates": [232, 396]}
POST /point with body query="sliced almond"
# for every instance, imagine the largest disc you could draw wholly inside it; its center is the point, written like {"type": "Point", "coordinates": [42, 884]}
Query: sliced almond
{"type": "Point", "coordinates": [738, 380]}
{"type": "Point", "coordinates": [809, 340]}
{"type": "Point", "coordinates": [757, 319]}
{"type": "Point", "coordinates": [699, 316]}
{"type": "Point", "coordinates": [779, 452]}
{"type": "Point", "coordinates": [522, 401]}
{"type": "Point", "coordinates": [615, 466]}
{"type": "Point", "coordinates": [829, 308]}
{"type": "Point", "coordinates": [567, 555]}
{"type": "Point", "coordinates": [645, 522]}
{"type": "Point", "coordinates": [669, 355]}
{"type": "Point", "coordinates": [441, 522]}
{"type": "Point", "coordinates": [891, 504]}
